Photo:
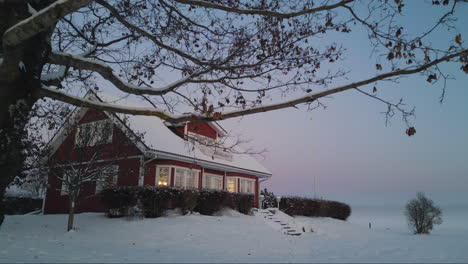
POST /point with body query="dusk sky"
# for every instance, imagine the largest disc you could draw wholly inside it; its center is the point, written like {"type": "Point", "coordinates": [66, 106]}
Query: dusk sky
{"type": "Point", "coordinates": [352, 154]}
{"type": "Point", "coordinates": [349, 150]}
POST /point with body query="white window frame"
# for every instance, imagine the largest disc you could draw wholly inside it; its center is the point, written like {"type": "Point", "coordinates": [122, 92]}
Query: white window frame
{"type": "Point", "coordinates": [236, 181]}
{"type": "Point", "coordinates": [196, 138]}
{"type": "Point", "coordinates": [169, 175]}
{"type": "Point", "coordinates": [204, 182]}
{"type": "Point", "coordinates": [64, 187]}
{"type": "Point", "coordinates": [114, 169]}
{"type": "Point", "coordinates": [186, 178]}
{"type": "Point", "coordinates": [244, 181]}
{"type": "Point", "coordinates": [97, 139]}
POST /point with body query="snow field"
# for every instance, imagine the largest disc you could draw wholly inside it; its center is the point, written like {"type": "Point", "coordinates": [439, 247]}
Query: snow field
{"type": "Point", "coordinates": [230, 237]}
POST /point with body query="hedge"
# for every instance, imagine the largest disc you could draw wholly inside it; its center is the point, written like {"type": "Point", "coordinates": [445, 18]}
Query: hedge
{"type": "Point", "coordinates": [21, 205]}
{"type": "Point", "coordinates": [153, 201]}
{"type": "Point", "coordinates": [314, 207]}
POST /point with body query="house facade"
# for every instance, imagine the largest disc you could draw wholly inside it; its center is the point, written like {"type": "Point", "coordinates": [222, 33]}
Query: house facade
{"type": "Point", "coordinates": [142, 150]}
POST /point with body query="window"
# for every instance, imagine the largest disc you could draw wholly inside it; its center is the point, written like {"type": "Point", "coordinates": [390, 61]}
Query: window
{"type": "Point", "coordinates": [231, 184]}
{"type": "Point", "coordinates": [209, 146]}
{"type": "Point", "coordinates": [162, 176]}
{"type": "Point", "coordinates": [186, 178]}
{"type": "Point", "coordinates": [94, 133]}
{"type": "Point", "coordinates": [247, 186]}
{"type": "Point", "coordinates": [108, 178]}
{"type": "Point", "coordinates": [195, 138]}
{"type": "Point", "coordinates": [65, 181]}
{"type": "Point", "coordinates": [213, 181]}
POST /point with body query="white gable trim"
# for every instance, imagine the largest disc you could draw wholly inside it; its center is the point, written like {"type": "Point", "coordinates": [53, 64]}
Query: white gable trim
{"type": "Point", "coordinates": [128, 133]}
{"type": "Point", "coordinates": [218, 128]}
{"type": "Point", "coordinates": [76, 115]}
{"type": "Point", "coordinates": [62, 134]}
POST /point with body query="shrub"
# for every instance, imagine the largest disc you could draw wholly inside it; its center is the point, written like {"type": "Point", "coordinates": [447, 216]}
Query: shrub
{"type": "Point", "coordinates": [211, 201]}
{"type": "Point", "coordinates": [269, 199]}
{"type": "Point", "coordinates": [20, 205]}
{"type": "Point", "coordinates": [422, 214]}
{"type": "Point", "coordinates": [119, 200]}
{"type": "Point", "coordinates": [188, 200]}
{"type": "Point", "coordinates": [314, 207]}
{"type": "Point", "coordinates": [155, 200]}
{"type": "Point", "coordinates": [244, 202]}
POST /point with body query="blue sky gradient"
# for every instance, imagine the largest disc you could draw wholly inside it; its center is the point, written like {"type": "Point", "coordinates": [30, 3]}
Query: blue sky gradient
{"type": "Point", "coordinates": [353, 156]}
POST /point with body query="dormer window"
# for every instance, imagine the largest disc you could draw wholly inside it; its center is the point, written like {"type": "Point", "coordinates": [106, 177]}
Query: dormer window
{"type": "Point", "coordinates": [200, 139]}
{"type": "Point", "coordinates": [94, 133]}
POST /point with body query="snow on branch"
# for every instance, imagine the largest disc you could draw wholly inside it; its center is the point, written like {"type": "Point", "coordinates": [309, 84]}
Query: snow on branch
{"type": "Point", "coordinates": [40, 21]}
{"type": "Point", "coordinates": [78, 101]}
{"type": "Point", "coordinates": [82, 63]}
{"type": "Point", "coordinates": [262, 12]}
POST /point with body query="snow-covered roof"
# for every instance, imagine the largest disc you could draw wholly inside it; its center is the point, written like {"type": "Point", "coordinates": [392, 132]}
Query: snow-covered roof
{"type": "Point", "coordinates": [161, 142]}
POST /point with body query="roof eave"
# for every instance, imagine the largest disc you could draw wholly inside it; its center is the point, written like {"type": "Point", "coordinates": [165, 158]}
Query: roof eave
{"type": "Point", "coordinates": [208, 164]}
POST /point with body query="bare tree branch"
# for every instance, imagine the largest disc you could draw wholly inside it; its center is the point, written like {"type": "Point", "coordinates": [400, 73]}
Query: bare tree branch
{"type": "Point", "coordinates": [42, 20]}
{"type": "Point", "coordinates": [106, 72]}
{"type": "Point", "coordinates": [58, 95]}
{"type": "Point", "coordinates": [263, 12]}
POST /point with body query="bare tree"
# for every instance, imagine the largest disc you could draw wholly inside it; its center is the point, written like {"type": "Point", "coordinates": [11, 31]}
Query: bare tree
{"type": "Point", "coordinates": [204, 60]}
{"type": "Point", "coordinates": [87, 162]}
{"type": "Point", "coordinates": [422, 214]}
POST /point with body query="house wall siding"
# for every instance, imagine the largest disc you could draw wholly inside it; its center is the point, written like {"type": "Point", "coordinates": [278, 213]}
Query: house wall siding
{"type": "Point", "coordinates": [199, 128]}
{"type": "Point", "coordinates": [124, 153]}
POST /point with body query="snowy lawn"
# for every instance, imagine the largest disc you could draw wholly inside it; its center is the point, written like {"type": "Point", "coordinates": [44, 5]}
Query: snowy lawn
{"type": "Point", "coordinates": [229, 238]}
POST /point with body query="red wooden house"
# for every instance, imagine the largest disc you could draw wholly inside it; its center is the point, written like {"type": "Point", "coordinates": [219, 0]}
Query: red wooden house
{"type": "Point", "coordinates": [147, 151]}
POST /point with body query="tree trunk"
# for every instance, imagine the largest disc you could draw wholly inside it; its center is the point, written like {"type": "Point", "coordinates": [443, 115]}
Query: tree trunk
{"type": "Point", "coordinates": [20, 74]}
{"type": "Point", "coordinates": [71, 213]}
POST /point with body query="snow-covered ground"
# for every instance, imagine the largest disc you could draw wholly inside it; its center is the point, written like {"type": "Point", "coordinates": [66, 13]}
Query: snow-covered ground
{"type": "Point", "coordinates": [231, 238]}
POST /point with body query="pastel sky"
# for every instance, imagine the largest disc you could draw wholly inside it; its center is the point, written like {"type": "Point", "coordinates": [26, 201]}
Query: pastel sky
{"type": "Point", "coordinates": [348, 149]}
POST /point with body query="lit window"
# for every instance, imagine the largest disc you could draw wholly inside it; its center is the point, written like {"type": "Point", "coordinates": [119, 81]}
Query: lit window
{"type": "Point", "coordinates": [94, 133]}
{"type": "Point", "coordinates": [162, 176]}
{"type": "Point", "coordinates": [231, 184]}
{"type": "Point", "coordinates": [108, 178]}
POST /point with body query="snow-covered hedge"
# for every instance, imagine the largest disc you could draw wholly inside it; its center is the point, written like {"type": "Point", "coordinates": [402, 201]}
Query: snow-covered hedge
{"type": "Point", "coordinates": [153, 201]}
{"type": "Point", "coordinates": [314, 207]}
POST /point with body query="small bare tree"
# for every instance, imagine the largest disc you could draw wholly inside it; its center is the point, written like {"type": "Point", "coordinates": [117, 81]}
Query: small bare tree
{"type": "Point", "coordinates": [87, 162]}
{"type": "Point", "coordinates": [422, 214]}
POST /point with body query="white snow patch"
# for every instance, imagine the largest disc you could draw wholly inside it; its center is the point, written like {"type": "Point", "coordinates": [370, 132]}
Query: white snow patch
{"type": "Point", "coordinates": [228, 212]}
{"type": "Point", "coordinates": [31, 10]}
{"type": "Point", "coordinates": [22, 66]}
{"type": "Point", "coordinates": [197, 238]}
